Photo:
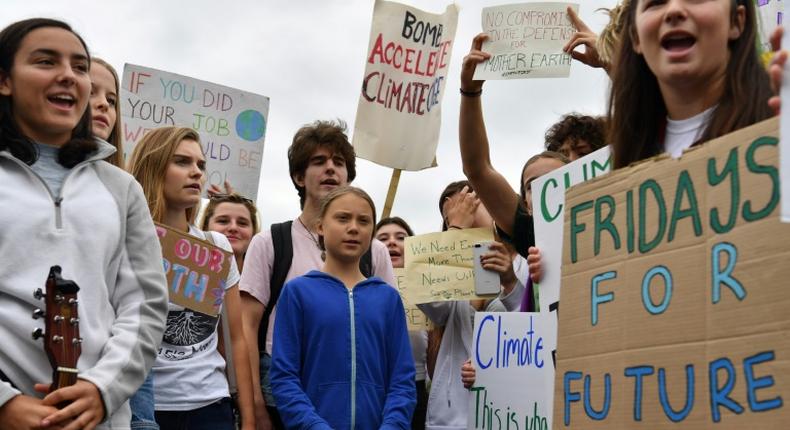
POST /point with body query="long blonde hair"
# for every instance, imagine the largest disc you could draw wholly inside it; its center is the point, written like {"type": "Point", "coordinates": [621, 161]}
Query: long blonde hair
{"type": "Point", "coordinates": [115, 137]}
{"type": "Point", "coordinates": [148, 164]}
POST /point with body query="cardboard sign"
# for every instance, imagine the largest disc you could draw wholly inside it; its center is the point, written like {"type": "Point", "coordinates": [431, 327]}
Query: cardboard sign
{"type": "Point", "coordinates": [548, 202]}
{"type": "Point", "coordinates": [674, 293]}
{"type": "Point", "coordinates": [196, 270]}
{"type": "Point", "coordinates": [415, 319]}
{"type": "Point", "coordinates": [231, 122]}
{"type": "Point", "coordinates": [439, 266]}
{"type": "Point", "coordinates": [514, 371]}
{"type": "Point", "coordinates": [399, 111]}
{"type": "Point", "coordinates": [526, 40]}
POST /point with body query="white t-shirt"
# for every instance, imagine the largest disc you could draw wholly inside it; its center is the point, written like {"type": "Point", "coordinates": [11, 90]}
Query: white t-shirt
{"type": "Point", "coordinates": [683, 133]}
{"type": "Point", "coordinates": [189, 371]}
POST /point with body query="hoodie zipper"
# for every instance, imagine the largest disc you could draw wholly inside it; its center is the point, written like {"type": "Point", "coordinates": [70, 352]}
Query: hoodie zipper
{"type": "Point", "coordinates": [353, 360]}
{"type": "Point", "coordinates": [58, 201]}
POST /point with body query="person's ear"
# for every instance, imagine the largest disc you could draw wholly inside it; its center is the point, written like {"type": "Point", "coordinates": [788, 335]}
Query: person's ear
{"type": "Point", "coordinates": [738, 22]}
{"type": "Point", "coordinates": [635, 45]}
{"type": "Point", "coordinates": [298, 178]}
{"type": "Point", "coordinates": [5, 84]}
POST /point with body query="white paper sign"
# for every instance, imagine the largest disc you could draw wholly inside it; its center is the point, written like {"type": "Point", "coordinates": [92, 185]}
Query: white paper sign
{"type": "Point", "coordinates": [231, 123]}
{"type": "Point", "coordinates": [526, 41]}
{"type": "Point", "coordinates": [548, 203]}
{"type": "Point", "coordinates": [399, 111]}
{"type": "Point", "coordinates": [784, 136]}
{"type": "Point", "coordinates": [514, 364]}
{"type": "Point", "coordinates": [769, 16]}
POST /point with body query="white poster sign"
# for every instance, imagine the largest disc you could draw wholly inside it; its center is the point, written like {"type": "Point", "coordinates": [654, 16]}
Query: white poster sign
{"type": "Point", "coordinates": [769, 16]}
{"type": "Point", "coordinates": [526, 40]}
{"type": "Point", "coordinates": [399, 111]}
{"type": "Point", "coordinates": [548, 203]}
{"type": "Point", "coordinates": [514, 363]}
{"type": "Point", "coordinates": [784, 133]}
{"type": "Point", "coordinates": [231, 123]}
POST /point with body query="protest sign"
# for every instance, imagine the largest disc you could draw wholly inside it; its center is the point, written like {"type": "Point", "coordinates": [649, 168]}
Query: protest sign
{"type": "Point", "coordinates": [548, 203]}
{"type": "Point", "coordinates": [674, 306]}
{"type": "Point", "coordinates": [439, 266]}
{"type": "Point", "coordinates": [784, 150]}
{"type": "Point", "coordinates": [231, 122]}
{"type": "Point", "coordinates": [514, 371]}
{"type": "Point", "coordinates": [415, 319]}
{"type": "Point", "coordinates": [399, 111]}
{"type": "Point", "coordinates": [769, 16]}
{"type": "Point", "coordinates": [525, 41]}
{"type": "Point", "coordinates": [196, 270]}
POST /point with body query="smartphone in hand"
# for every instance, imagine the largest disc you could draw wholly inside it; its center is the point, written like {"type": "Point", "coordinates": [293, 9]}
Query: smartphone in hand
{"type": "Point", "coordinates": [486, 281]}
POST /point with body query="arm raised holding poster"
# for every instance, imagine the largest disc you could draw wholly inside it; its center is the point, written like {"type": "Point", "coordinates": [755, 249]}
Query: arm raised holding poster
{"type": "Point", "coordinates": [492, 188]}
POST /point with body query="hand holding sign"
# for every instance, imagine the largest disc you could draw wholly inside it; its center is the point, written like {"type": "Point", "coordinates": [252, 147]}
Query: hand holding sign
{"type": "Point", "coordinates": [475, 56]}
{"type": "Point", "coordinates": [588, 38]}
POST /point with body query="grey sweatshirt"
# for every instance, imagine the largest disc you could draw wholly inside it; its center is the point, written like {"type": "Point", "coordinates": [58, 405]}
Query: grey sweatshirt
{"type": "Point", "coordinates": [99, 230]}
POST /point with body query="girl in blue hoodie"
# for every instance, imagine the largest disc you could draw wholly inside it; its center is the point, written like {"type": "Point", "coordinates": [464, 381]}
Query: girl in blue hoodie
{"type": "Point", "coordinates": [341, 357]}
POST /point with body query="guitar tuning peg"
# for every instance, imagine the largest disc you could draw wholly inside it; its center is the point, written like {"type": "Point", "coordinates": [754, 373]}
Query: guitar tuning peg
{"type": "Point", "coordinates": [38, 313]}
{"type": "Point", "coordinates": [38, 294]}
{"type": "Point", "coordinates": [38, 334]}
{"type": "Point", "coordinates": [76, 341]}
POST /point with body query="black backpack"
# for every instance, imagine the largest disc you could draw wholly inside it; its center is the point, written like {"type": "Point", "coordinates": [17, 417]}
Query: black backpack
{"type": "Point", "coordinates": [283, 255]}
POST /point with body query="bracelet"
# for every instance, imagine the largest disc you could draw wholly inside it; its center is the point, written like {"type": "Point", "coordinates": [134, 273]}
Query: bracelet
{"type": "Point", "coordinates": [453, 227]}
{"type": "Point", "coordinates": [471, 93]}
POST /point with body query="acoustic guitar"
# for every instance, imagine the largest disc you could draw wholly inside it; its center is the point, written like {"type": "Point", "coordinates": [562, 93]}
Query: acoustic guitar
{"type": "Point", "coordinates": [61, 333]}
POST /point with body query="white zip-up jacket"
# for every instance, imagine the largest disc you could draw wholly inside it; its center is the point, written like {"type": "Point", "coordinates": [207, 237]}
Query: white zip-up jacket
{"type": "Point", "coordinates": [99, 230]}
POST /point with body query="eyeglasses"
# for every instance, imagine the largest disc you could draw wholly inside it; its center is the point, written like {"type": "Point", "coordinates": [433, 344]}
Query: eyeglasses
{"type": "Point", "coordinates": [231, 198]}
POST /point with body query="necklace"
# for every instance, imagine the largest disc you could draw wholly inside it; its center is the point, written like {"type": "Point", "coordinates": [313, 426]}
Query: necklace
{"type": "Point", "coordinates": [313, 238]}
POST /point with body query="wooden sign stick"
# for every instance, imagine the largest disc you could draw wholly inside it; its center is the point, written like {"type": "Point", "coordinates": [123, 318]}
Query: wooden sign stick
{"type": "Point", "coordinates": [391, 193]}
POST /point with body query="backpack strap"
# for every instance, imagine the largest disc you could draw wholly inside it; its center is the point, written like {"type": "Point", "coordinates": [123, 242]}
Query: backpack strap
{"type": "Point", "coordinates": [366, 263]}
{"type": "Point", "coordinates": [283, 255]}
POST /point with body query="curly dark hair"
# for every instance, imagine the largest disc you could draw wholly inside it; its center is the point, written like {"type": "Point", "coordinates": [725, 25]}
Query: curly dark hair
{"type": "Point", "coordinates": [329, 134]}
{"type": "Point", "coordinates": [576, 127]}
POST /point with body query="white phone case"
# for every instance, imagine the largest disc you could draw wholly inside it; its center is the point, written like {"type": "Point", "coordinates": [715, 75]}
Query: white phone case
{"type": "Point", "coordinates": [486, 281]}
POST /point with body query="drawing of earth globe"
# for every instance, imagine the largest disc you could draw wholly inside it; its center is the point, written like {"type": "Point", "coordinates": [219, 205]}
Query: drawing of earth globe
{"type": "Point", "coordinates": [250, 125]}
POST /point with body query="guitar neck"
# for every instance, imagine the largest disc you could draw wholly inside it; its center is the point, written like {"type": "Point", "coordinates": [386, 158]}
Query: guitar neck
{"type": "Point", "coordinates": [63, 377]}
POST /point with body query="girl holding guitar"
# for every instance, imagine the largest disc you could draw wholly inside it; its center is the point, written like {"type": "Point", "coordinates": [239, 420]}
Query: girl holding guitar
{"type": "Point", "coordinates": [62, 204]}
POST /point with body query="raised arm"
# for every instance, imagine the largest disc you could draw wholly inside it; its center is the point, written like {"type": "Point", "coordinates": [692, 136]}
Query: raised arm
{"type": "Point", "coordinates": [491, 187]}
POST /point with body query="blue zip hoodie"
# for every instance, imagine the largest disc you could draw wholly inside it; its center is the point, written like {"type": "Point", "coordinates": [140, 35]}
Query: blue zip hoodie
{"type": "Point", "coordinates": [328, 360]}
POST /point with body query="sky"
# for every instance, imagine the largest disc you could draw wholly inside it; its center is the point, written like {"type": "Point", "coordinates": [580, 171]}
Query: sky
{"type": "Point", "coordinates": [308, 57]}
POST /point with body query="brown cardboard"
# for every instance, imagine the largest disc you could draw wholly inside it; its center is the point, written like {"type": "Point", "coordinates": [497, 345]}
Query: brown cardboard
{"type": "Point", "coordinates": [439, 266]}
{"type": "Point", "coordinates": [188, 258]}
{"type": "Point", "coordinates": [415, 318]}
{"type": "Point", "coordinates": [691, 330]}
